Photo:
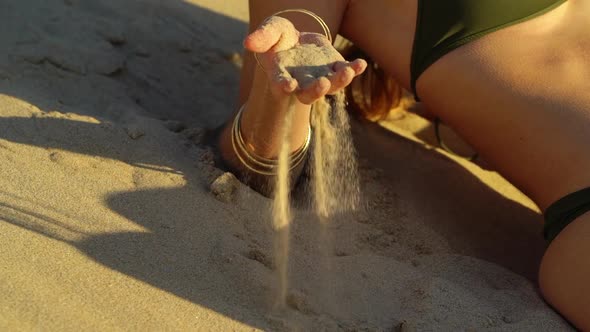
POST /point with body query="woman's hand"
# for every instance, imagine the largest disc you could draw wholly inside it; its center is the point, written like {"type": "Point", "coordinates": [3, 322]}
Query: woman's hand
{"type": "Point", "coordinates": [298, 62]}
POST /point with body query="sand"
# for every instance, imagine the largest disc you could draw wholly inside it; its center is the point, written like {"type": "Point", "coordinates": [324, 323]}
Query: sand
{"type": "Point", "coordinates": [333, 164]}
{"type": "Point", "coordinates": [281, 210]}
{"type": "Point", "coordinates": [108, 222]}
{"type": "Point", "coordinates": [334, 183]}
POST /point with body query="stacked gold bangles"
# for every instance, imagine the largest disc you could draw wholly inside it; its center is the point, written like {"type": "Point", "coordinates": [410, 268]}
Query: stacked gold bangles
{"type": "Point", "coordinates": [257, 164]}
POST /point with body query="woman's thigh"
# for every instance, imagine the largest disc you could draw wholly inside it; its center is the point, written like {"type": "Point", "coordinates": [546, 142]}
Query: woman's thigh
{"type": "Point", "coordinates": [564, 275]}
{"type": "Point", "coordinates": [519, 96]}
{"type": "Point", "coordinates": [384, 30]}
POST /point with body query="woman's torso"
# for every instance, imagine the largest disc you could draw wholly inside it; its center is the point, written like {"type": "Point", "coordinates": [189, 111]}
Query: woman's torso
{"type": "Point", "coordinates": [520, 95]}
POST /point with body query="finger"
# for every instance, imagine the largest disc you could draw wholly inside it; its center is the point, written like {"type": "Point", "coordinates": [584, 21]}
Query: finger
{"type": "Point", "coordinates": [276, 33]}
{"type": "Point", "coordinates": [314, 91]}
{"type": "Point", "coordinates": [282, 83]}
{"type": "Point", "coordinates": [341, 78]}
{"type": "Point", "coordinates": [289, 85]}
{"type": "Point", "coordinates": [358, 65]}
{"type": "Point", "coordinates": [262, 39]}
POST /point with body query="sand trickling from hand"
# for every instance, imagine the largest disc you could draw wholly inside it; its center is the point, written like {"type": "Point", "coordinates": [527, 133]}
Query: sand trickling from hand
{"type": "Point", "coordinates": [335, 186]}
{"type": "Point", "coordinates": [334, 172]}
{"type": "Point", "coordinates": [281, 210]}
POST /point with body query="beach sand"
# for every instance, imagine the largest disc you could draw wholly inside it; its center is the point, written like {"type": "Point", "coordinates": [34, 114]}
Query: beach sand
{"type": "Point", "coordinates": [107, 220]}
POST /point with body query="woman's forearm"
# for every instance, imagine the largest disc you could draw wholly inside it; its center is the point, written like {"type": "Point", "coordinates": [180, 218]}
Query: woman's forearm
{"type": "Point", "coordinates": [265, 101]}
{"type": "Point", "coordinates": [261, 124]}
{"type": "Point", "coordinates": [263, 117]}
{"type": "Point", "coordinates": [264, 112]}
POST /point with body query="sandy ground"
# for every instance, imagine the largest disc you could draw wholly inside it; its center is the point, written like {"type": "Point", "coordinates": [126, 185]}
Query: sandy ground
{"type": "Point", "coordinates": [107, 221]}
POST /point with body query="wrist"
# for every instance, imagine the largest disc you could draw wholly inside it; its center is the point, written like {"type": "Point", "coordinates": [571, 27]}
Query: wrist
{"type": "Point", "coordinates": [263, 117]}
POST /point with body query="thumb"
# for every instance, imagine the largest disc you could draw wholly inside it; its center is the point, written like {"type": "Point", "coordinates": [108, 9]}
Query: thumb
{"type": "Point", "coordinates": [275, 33]}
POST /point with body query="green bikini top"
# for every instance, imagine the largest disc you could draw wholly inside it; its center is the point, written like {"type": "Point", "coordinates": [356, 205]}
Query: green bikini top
{"type": "Point", "coordinates": [444, 25]}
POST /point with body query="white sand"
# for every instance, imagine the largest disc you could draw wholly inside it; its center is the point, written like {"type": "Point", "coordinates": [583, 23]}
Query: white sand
{"type": "Point", "coordinates": [102, 231]}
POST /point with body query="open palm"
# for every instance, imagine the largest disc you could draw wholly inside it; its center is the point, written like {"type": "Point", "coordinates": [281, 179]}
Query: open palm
{"type": "Point", "coordinates": [302, 63]}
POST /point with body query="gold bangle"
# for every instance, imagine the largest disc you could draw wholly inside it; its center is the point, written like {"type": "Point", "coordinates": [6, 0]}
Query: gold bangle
{"type": "Point", "coordinates": [296, 157]}
{"type": "Point", "coordinates": [265, 162]}
{"type": "Point", "coordinates": [242, 150]}
{"type": "Point", "coordinates": [262, 165]}
{"type": "Point", "coordinates": [302, 11]}
{"type": "Point", "coordinates": [265, 166]}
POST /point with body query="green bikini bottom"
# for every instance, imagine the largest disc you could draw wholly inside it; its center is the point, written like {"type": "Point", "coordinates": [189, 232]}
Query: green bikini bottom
{"type": "Point", "coordinates": [561, 213]}
{"type": "Point", "coordinates": [444, 25]}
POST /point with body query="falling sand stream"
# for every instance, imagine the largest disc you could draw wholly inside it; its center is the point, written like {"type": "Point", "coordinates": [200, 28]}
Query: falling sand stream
{"type": "Point", "coordinates": [334, 187]}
